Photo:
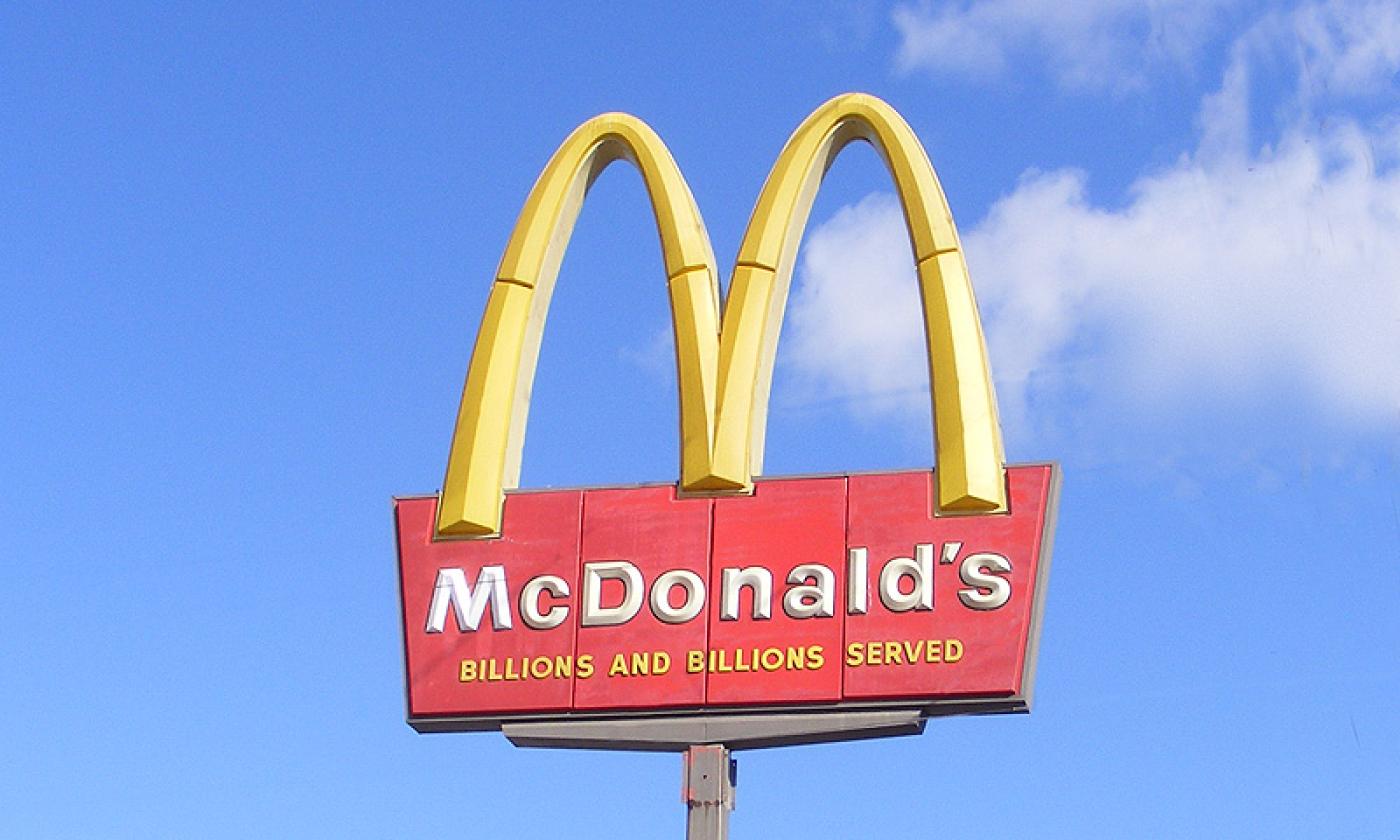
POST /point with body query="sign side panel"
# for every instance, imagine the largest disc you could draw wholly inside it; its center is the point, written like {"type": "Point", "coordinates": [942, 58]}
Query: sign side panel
{"type": "Point", "coordinates": [1046, 541]}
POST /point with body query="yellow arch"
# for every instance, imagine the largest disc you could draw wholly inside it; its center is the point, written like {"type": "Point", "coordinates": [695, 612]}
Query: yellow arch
{"type": "Point", "coordinates": [490, 430]}
{"type": "Point", "coordinates": [967, 434]}
{"type": "Point", "coordinates": [724, 376]}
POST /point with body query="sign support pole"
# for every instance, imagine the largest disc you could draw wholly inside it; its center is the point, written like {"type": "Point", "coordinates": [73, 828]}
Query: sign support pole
{"type": "Point", "coordinates": [707, 787]}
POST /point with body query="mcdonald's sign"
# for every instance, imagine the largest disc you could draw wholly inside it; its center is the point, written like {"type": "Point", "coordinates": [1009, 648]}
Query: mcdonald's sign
{"type": "Point", "coordinates": [727, 593]}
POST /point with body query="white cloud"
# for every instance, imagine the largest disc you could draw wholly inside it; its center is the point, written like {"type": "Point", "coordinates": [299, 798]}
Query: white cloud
{"type": "Point", "coordinates": [1241, 269]}
{"type": "Point", "coordinates": [1086, 43]}
{"type": "Point", "coordinates": [1237, 271]}
{"type": "Point", "coordinates": [656, 357]}
{"type": "Point", "coordinates": [854, 323]}
{"type": "Point", "coordinates": [1347, 47]}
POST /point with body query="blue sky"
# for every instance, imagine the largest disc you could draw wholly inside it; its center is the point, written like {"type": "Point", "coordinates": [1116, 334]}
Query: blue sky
{"type": "Point", "coordinates": [245, 249]}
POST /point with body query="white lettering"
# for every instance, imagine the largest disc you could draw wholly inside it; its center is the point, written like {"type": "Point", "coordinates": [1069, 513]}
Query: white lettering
{"type": "Point", "coordinates": [530, 602]}
{"type": "Point", "coordinates": [689, 583]}
{"type": "Point", "coordinates": [919, 570]}
{"type": "Point", "coordinates": [594, 614]}
{"type": "Point", "coordinates": [989, 589]}
{"type": "Point", "coordinates": [759, 580]}
{"type": "Point", "coordinates": [811, 600]}
{"type": "Point", "coordinates": [469, 605]}
{"type": "Point", "coordinates": [857, 585]}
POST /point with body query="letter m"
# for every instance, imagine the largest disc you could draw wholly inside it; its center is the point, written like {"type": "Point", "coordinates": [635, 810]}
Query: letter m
{"type": "Point", "coordinates": [467, 603]}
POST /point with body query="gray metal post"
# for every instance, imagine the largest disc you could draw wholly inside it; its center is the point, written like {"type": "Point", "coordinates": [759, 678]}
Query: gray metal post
{"type": "Point", "coordinates": [708, 790]}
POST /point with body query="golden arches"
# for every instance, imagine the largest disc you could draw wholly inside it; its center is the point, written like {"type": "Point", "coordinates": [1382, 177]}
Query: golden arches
{"type": "Point", "coordinates": [724, 374]}
{"type": "Point", "coordinates": [490, 430]}
{"type": "Point", "coordinates": [966, 430]}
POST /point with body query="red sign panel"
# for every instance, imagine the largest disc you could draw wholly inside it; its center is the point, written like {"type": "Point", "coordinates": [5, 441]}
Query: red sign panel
{"type": "Point", "coordinates": [786, 528]}
{"type": "Point", "coordinates": [641, 662]}
{"type": "Point", "coordinates": [811, 593]}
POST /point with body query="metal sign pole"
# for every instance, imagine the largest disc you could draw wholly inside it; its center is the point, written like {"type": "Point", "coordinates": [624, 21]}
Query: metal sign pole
{"type": "Point", "coordinates": [707, 787]}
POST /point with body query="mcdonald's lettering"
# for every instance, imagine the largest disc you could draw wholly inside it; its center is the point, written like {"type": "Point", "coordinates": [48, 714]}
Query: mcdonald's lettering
{"type": "Point", "coordinates": [810, 592]}
{"type": "Point", "coordinates": [728, 590]}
